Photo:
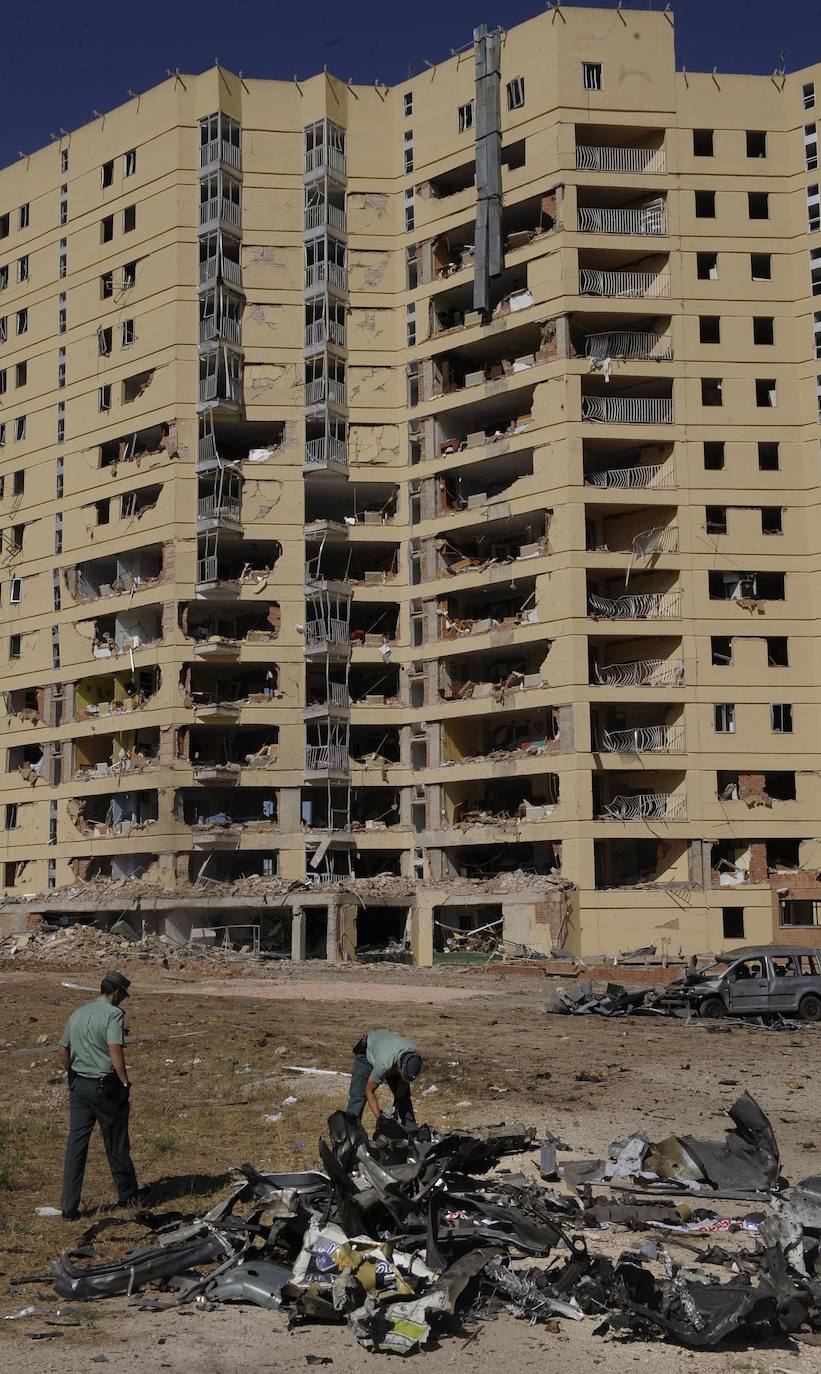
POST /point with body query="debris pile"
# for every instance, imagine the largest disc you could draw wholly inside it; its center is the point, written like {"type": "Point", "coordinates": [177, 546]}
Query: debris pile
{"type": "Point", "coordinates": [581, 999]}
{"type": "Point", "coordinates": [401, 1236]}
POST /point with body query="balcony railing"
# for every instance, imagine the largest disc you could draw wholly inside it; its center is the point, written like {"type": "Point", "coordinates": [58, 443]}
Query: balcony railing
{"type": "Point", "coordinates": [645, 161]}
{"type": "Point", "coordinates": [627, 285]}
{"type": "Point", "coordinates": [325, 217]}
{"type": "Point", "coordinates": [320, 272]}
{"type": "Point", "coordinates": [324, 331]}
{"type": "Point", "coordinates": [646, 606]}
{"type": "Point", "coordinates": [647, 739]}
{"type": "Point", "coordinates": [325, 388]}
{"type": "Point", "coordinates": [660, 476]}
{"type": "Point", "coordinates": [230, 389]}
{"type": "Point", "coordinates": [219, 208]}
{"type": "Point", "coordinates": [225, 329]}
{"type": "Point", "coordinates": [326, 450]}
{"type": "Point", "coordinates": [326, 758]}
{"type": "Point", "coordinates": [229, 270]}
{"type": "Point", "coordinates": [650, 219]}
{"type": "Point", "coordinates": [628, 410]}
{"type": "Point", "coordinates": [217, 150]}
{"type": "Point", "coordinates": [317, 159]}
{"type": "Point", "coordinates": [658, 539]}
{"type": "Point", "coordinates": [207, 449]}
{"type": "Point", "coordinates": [212, 508]}
{"type": "Point", "coordinates": [321, 632]}
{"type": "Point", "coordinates": [646, 806]}
{"type": "Point", "coordinates": [207, 569]}
{"type": "Point", "coordinates": [628, 343]}
{"type": "Point", "coordinates": [645, 672]}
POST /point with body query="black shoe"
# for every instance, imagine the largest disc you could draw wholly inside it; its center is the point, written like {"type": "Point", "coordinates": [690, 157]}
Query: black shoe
{"type": "Point", "coordinates": [136, 1200]}
{"type": "Point", "coordinates": [70, 1216]}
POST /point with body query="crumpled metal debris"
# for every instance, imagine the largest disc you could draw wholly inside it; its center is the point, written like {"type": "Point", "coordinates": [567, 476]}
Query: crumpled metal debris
{"type": "Point", "coordinates": [581, 999]}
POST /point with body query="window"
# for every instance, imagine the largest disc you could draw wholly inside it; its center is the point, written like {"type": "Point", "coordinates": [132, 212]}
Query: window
{"type": "Point", "coordinates": [707, 266]}
{"type": "Point", "coordinates": [16, 593]}
{"type": "Point", "coordinates": [411, 268]}
{"type": "Point", "coordinates": [55, 663]}
{"type": "Point", "coordinates": [758, 204]}
{"type": "Point", "coordinates": [705, 204]}
{"type": "Point", "coordinates": [724, 716]}
{"type": "Point", "coordinates": [413, 384]}
{"type": "Point", "coordinates": [810, 147]}
{"type": "Point", "coordinates": [21, 372]}
{"type": "Point", "coordinates": [61, 422]}
{"type": "Point", "coordinates": [107, 174]}
{"type": "Point", "coordinates": [813, 208]}
{"type": "Point", "coordinates": [815, 271]}
{"type": "Point", "coordinates": [713, 455]}
{"type": "Point", "coordinates": [721, 651]}
{"type": "Point", "coordinates": [816, 332]}
{"type": "Point", "coordinates": [64, 159]}
{"type": "Point", "coordinates": [11, 816]}
{"type": "Point", "coordinates": [103, 510]}
{"type": "Point", "coordinates": [407, 101]}
{"type": "Point", "coordinates": [592, 76]}
{"type": "Point", "coordinates": [23, 268]}
{"type": "Point", "coordinates": [711, 391]}
{"type": "Point", "coordinates": [107, 229]}
{"type": "Point", "coordinates": [104, 397]}
{"type": "Point", "coordinates": [61, 367]}
{"type": "Point", "coordinates": [781, 719]}
{"type": "Point", "coordinates": [104, 337]}
{"type": "Point", "coordinates": [702, 143]}
{"type": "Point", "coordinates": [130, 162]}
{"type": "Point", "coordinates": [18, 482]}
{"type": "Point", "coordinates": [756, 143]}
{"type": "Point", "coordinates": [15, 646]}
{"type": "Point", "coordinates": [129, 274]}
{"type": "Point", "coordinates": [465, 117]}
{"type": "Point", "coordinates": [761, 266]}
{"type": "Point", "coordinates": [4, 328]}
{"type": "Point", "coordinates": [64, 204]}
{"type": "Point", "coordinates": [808, 94]}
{"type": "Point", "coordinates": [4, 277]}
{"type": "Point", "coordinates": [709, 329]}
{"type": "Point", "coordinates": [127, 333]}
{"type": "Point", "coordinates": [716, 519]}
{"type": "Point", "coordinates": [732, 923]}
{"type": "Point", "coordinates": [410, 320]}
{"type": "Point", "coordinates": [763, 331]}
{"type": "Point", "coordinates": [410, 217]}
{"type": "Point", "coordinates": [768, 456]}
{"type": "Point", "coordinates": [516, 93]}
{"type": "Point", "coordinates": [408, 150]}
{"type": "Point", "coordinates": [22, 321]}
{"type": "Point", "coordinates": [61, 313]}
{"type": "Point", "coordinates": [3, 381]}
{"type": "Point", "coordinates": [107, 285]}
{"type": "Point", "coordinates": [58, 491]}
{"type": "Point", "coordinates": [20, 428]}
{"type": "Point", "coordinates": [63, 259]}
{"type": "Point", "coordinates": [58, 533]}
{"type": "Point", "coordinates": [129, 218]}
{"type": "Point", "coordinates": [2, 434]}
{"type": "Point", "coordinates": [765, 394]}
{"type": "Point", "coordinates": [23, 216]}
{"type": "Point", "coordinates": [771, 518]}
{"type": "Point", "coordinates": [777, 651]}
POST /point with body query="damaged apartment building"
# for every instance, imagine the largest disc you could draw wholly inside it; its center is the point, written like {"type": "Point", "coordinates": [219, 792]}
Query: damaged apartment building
{"type": "Point", "coordinates": [407, 505]}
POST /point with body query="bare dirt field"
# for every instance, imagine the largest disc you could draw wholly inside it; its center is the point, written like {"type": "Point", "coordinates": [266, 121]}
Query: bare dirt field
{"type": "Point", "coordinates": [210, 1059]}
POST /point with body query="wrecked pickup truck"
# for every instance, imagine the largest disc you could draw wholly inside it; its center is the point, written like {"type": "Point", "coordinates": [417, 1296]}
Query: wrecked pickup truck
{"type": "Point", "coordinates": [767, 981]}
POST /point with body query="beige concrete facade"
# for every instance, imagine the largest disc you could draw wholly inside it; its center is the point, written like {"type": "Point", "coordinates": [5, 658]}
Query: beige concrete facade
{"type": "Point", "coordinates": [335, 608]}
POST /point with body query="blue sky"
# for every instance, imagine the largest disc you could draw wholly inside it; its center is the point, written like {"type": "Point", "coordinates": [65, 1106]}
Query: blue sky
{"type": "Point", "coordinates": [47, 83]}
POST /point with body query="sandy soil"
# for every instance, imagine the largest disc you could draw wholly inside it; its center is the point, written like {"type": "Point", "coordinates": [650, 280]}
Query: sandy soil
{"type": "Point", "coordinates": [209, 1061]}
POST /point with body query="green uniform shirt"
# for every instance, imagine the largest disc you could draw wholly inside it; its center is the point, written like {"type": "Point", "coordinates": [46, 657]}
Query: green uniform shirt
{"type": "Point", "coordinates": [383, 1049]}
{"type": "Point", "coordinates": [90, 1031]}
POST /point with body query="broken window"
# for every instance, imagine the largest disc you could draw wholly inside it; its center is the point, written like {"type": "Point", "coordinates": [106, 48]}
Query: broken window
{"type": "Point", "coordinates": [408, 150]}
{"type": "Point", "coordinates": [129, 274]}
{"type": "Point", "coordinates": [713, 455]}
{"type": "Point", "coordinates": [104, 397]}
{"type": "Point", "coordinates": [709, 329]}
{"type": "Point", "coordinates": [799, 911]}
{"type": "Point", "coordinates": [781, 719]}
{"type": "Point", "coordinates": [127, 333]}
{"type": "Point", "coordinates": [129, 218]}
{"type": "Point", "coordinates": [768, 456]}
{"type": "Point", "coordinates": [102, 509]}
{"type": "Point", "coordinates": [61, 419]}
{"type": "Point", "coordinates": [592, 76]}
{"type": "Point", "coordinates": [410, 216]}
{"type": "Point", "coordinates": [107, 174]}
{"type": "Point", "coordinates": [4, 277]}
{"type": "Point", "coordinates": [761, 266]}
{"type": "Point", "coordinates": [756, 143]}
{"type": "Point", "coordinates": [20, 427]}
{"type": "Point", "coordinates": [758, 204]}
{"type": "Point", "coordinates": [702, 143]}
{"type": "Point", "coordinates": [777, 651]}
{"type": "Point", "coordinates": [15, 646]}
{"type": "Point", "coordinates": [763, 329]}
{"type": "Point", "coordinates": [104, 338]}
{"type": "Point", "coordinates": [21, 374]}
{"type": "Point", "coordinates": [64, 204]}
{"type": "Point", "coordinates": [716, 519]}
{"type": "Point", "coordinates": [61, 367]}
{"type": "Point", "coordinates": [61, 313]}
{"type": "Point", "coordinates": [732, 922]}
{"type": "Point", "coordinates": [3, 381]}
{"type": "Point", "coordinates": [707, 266]}
{"type": "Point", "coordinates": [465, 117]}
{"type": "Point", "coordinates": [765, 393]}
{"type": "Point", "coordinates": [22, 321]}
{"type": "Point", "coordinates": [107, 285]}
{"type": "Point", "coordinates": [58, 533]}
{"type": "Point", "coordinates": [107, 229]}
{"type": "Point", "coordinates": [516, 93]}
{"type": "Point", "coordinates": [16, 593]}
{"type": "Point", "coordinates": [23, 267]}
{"type": "Point", "coordinates": [18, 483]}
{"type": "Point", "coordinates": [411, 268]}
{"type": "Point", "coordinates": [130, 162]}
{"type": "Point", "coordinates": [813, 208]}
{"type": "Point", "coordinates": [771, 520]}
{"type": "Point", "coordinates": [724, 718]}
{"type": "Point", "coordinates": [721, 650]}
{"type": "Point", "coordinates": [705, 202]}
{"type": "Point", "coordinates": [410, 324]}
{"type": "Point", "coordinates": [810, 147]}
{"type": "Point", "coordinates": [711, 391]}
{"type": "Point", "coordinates": [64, 159]}
{"type": "Point", "coordinates": [133, 387]}
{"type": "Point", "coordinates": [407, 101]}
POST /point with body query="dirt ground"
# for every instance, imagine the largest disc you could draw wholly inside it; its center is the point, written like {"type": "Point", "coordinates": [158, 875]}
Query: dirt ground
{"type": "Point", "coordinates": [210, 1060]}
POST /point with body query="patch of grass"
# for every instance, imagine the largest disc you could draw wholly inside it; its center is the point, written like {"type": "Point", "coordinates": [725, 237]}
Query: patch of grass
{"type": "Point", "coordinates": [164, 1145]}
{"type": "Point", "coordinates": [9, 1160]}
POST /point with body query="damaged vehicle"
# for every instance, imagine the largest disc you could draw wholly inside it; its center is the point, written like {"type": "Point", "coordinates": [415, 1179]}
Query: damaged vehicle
{"type": "Point", "coordinates": [758, 981]}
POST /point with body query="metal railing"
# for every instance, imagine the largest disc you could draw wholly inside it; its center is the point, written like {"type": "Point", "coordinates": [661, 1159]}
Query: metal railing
{"type": "Point", "coordinates": [646, 739]}
{"type": "Point", "coordinates": [325, 388]}
{"type": "Point", "coordinates": [658, 539]}
{"type": "Point", "coordinates": [222, 327]}
{"type": "Point", "coordinates": [628, 410]}
{"type": "Point", "coordinates": [320, 272]}
{"type": "Point", "coordinates": [207, 569]}
{"type": "Point", "coordinates": [324, 331]}
{"type": "Point", "coordinates": [212, 508]}
{"type": "Point", "coordinates": [229, 270]}
{"type": "Point", "coordinates": [326, 758]}
{"type": "Point", "coordinates": [644, 672]}
{"type": "Point", "coordinates": [338, 694]}
{"type": "Point", "coordinates": [645, 606]}
{"type": "Point", "coordinates": [317, 159]}
{"type": "Point", "coordinates": [594, 282]}
{"type": "Point", "coordinates": [207, 449]}
{"type": "Point", "coordinates": [319, 632]}
{"type": "Point", "coordinates": [210, 390]}
{"type": "Point", "coordinates": [649, 219]}
{"type": "Point", "coordinates": [217, 150]}
{"type": "Point", "coordinates": [219, 208]}
{"type": "Point", "coordinates": [326, 450]}
{"type": "Point", "coordinates": [656, 806]}
{"type": "Point", "coordinates": [645, 161]}
{"type": "Point", "coordinates": [661, 476]}
{"type": "Point", "coordinates": [628, 343]}
{"type": "Point", "coordinates": [325, 216]}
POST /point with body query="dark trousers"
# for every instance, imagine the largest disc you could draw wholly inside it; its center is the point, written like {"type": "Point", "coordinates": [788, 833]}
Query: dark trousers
{"type": "Point", "coordinates": [87, 1103]}
{"type": "Point", "coordinates": [360, 1073]}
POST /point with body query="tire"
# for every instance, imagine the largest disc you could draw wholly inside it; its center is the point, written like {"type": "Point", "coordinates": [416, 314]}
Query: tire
{"type": "Point", "coordinates": [809, 1008]}
{"type": "Point", "coordinates": [711, 1008]}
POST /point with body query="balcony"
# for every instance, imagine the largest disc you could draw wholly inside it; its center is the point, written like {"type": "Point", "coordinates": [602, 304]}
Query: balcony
{"type": "Point", "coordinates": [325, 760]}
{"type": "Point", "coordinates": [646, 672]}
{"type": "Point", "coordinates": [324, 157]}
{"type": "Point", "coordinates": [325, 216]}
{"type": "Point", "coordinates": [322, 452]}
{"type": "Point", "coordinates": [216, 510]}
{"type": "Point", "coordinates": [319, 274]}
{"type": "Point", "coordinates": [648, 476]}
{"type": "Point", "coordinates": [222, 328]}
{"type": "Point", "coordinates": [612, 219]}
{"type": "Point", "coordinates": [628, 410]}
{"type": "Point", "coordinates": [322, 331]}
{"type": "Point", "coordinates": [220, 379]}
{"type": "Point", "coordinates": [647, 739]}
{"type": "Point", "coordinates": [322, 389]}
{"type": "Point", "coordinates": [220, 208]}
{"type": "Point", "coordinates": [321, 636]}
{"type": "Point", "coordinates": [219, 150]}
{"type": "Point", "coordinates": [645, 606]}
{"type": "Point", "coordinates": [642, 161]}
{"type": "Point", "coordinates": [594, 281]}
{"type": "Point", "coordinates": [645, 806]}
{"type": "Point", "coordinates": [628, 343]}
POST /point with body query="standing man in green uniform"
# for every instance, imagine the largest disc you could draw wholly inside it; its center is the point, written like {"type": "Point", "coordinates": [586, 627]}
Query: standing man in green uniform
{"type": "Point", "coordinates": [91, 1049]}
{"type": "Point", "coordinates": [381, 1056]}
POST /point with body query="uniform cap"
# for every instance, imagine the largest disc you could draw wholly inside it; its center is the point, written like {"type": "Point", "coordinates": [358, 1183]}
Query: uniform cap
{"type": "Point", "coordinates": [410, 1065]}
{"type": "Point", "coordinates": [118, 980]}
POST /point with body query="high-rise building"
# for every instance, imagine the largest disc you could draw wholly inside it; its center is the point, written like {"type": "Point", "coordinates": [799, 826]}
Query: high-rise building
{"type": "Point", "coordinates": [408, 504]}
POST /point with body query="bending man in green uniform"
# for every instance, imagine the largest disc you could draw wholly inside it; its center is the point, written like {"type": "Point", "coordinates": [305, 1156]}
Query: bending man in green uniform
{"type": "Point", "coordinates": [379, 1057]}
{"type": "Point", "coordinates": [91, 1048]}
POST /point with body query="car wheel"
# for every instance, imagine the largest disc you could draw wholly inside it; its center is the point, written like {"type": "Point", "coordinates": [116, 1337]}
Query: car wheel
{"type": "Point", "coordinates": [711, 1008]}
{"type": "Point", "coordinates": [809, 1008]}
